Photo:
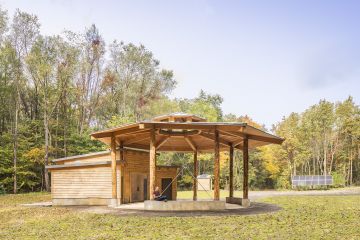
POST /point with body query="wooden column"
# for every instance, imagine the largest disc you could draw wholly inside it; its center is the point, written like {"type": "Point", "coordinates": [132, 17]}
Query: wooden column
{"type": "Point", "coordinates": [121, 172]}
{"type": "Point", "coordinates": [246, 168]}
{"type": "Point", "coordinates": [152, 163]}
{"type": "Point", "coordinates": [113, 171]}
{"type": "Point", "coordinates": [231, 171]}
{"type": "Point", "coordinates": [195, 175]}
{"type": "Point", "coordinates": [217, 167]}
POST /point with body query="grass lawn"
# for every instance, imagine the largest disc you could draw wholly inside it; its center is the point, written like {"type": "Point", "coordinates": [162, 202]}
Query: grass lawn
{"type": "Point", "coordinates": [302, 217]}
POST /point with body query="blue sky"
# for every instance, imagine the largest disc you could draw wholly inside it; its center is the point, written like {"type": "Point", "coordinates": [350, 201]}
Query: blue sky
{"type": "Point", "coordinates": [265, 58]}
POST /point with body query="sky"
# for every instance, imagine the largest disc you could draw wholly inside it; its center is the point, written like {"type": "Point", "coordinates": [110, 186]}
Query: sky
{"type": "Point", "coordinates": [265, 58]}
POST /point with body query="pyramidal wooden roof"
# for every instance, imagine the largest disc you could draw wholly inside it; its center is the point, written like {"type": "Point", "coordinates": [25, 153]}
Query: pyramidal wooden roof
{"type": "Point", "coordinates": [182, 132]}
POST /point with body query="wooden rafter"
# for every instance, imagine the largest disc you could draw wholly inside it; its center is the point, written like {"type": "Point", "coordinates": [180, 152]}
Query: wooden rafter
{"type": "Point", "coordinates": [122, 132]}
{"type": "Point", "coordinates": [211, 137]}
{"type": "Point", "coordinates": [238, 142]}
{"type": "Point", "coordinates": [191, 143]}
{"type": "Point", "coordinates": [137, 138]}
{"type": "Point", "coordinates": [161, 142]}
{"type": "Point", "coordinates": [254, 137]}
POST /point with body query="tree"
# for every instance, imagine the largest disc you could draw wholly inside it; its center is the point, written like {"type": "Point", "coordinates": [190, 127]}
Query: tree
{"type": "Point", "coordinates": [49, 71]}
{"type": "Point", "coordinates": [133, 80]}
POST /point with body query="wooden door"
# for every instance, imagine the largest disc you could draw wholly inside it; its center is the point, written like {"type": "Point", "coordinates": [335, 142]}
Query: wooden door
{"type": "Point", "coordinates": [137, 187]}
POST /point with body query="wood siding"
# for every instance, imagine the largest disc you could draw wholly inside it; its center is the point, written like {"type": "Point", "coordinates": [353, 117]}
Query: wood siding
{"type": "Point", "coordinates": [87, 184]}
{"type": "Point", "coordinates": [81, 183]}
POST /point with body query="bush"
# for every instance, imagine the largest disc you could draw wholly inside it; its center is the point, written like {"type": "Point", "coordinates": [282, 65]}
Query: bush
{"type": "Point", "coordinates": [283, 182]}
{"type": "Point", "coordinates": [2, 189]}
{"type": "Point", "coordinates": [338, 179]}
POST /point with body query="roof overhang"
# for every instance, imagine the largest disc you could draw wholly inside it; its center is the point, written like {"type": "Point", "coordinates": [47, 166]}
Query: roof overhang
{"type": "Point", "coordinates": [187, 136]}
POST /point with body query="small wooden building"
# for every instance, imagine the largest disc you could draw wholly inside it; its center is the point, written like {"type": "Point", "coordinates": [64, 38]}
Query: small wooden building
{"type": "Point", "coordinates": [87, 180]}
{"type": "Point", "coordinates": [128, 172]}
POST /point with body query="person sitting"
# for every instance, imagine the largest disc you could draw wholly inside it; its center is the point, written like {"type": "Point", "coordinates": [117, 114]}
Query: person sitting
{"type": "Point", "coordinates": [157, 195]}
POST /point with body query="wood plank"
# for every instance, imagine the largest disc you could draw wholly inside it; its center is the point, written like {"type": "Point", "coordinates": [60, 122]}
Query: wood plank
{"type": "Point", "coordinates": [162, 141]}
{"type": "Point", "coordinates": [195, 175]}
{"type": "Point", "coordinates": [238, 142]}
{"type": "Point", "coordinates": [191, 126]}
{"type": "Point", "coordinates": [231, 171]}
{"type": "Point", "coordinates": [266, 139]}
{"type": "Point", "coordinates": [191, 143]}
{"type": "Point", "coordinates": [217, 167]}
{"type": "Point", "coordinates": [113, 168]}
{"type": "Point", "coordinates": [108, 133]}
{"type": "Point", "coordinates": [152, 163]}
{"type": "Point", "coordinates": [137, 138]}
{"type": "Point", "coordinates": [256, 137]}
{"type": "Point", "coordinates": [246, 168]}
{"type": "Point", "coordinates": [211, 137]}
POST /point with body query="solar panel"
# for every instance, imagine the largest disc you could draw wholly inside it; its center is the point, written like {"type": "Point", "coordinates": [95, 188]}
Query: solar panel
{"type": "Point", "coordinates": [312, 180]}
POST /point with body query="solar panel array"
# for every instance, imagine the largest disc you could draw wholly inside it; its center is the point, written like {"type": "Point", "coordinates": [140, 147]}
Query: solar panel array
{"type": "Point", "coordinates": [312, 180]}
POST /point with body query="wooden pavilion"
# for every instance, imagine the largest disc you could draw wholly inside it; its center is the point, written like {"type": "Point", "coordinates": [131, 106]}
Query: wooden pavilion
{"type": "Point", "coordinates": [180, 132]}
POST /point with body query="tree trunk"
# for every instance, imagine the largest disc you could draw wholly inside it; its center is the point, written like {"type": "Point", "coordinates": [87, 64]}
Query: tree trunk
{"type": "Point", "coordinates": [16, 145]}
{"type": "Point", "coordinates": [351, 167]}
{"type": "Point", "coordinates": [46, 158]}
{"type": "Point", "coordinates": [325, 155]}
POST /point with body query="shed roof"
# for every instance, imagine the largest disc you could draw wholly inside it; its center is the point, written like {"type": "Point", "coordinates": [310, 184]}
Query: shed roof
{"type": "Point", "coordinates": [204, 176]}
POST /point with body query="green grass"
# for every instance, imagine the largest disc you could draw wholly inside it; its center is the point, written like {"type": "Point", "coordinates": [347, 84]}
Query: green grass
{"type": "Point", "coordinates": [305, 217]}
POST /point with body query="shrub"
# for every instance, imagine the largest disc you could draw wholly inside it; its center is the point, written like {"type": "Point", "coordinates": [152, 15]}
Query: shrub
{"type": "Point", "coordinates": [283, 182]}
{"type": "Point", "coordinates": [338, 179]}
{"type": "Point", "coordinates": [2, 189]}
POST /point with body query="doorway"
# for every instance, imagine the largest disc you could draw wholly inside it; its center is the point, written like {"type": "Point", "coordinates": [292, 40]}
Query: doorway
{"type": "Point", "coordinates": [146, 197]}
{"type": "Point", "coordinates": [166, 184]}
{"type": "Point", "coordinates": [138, 189]}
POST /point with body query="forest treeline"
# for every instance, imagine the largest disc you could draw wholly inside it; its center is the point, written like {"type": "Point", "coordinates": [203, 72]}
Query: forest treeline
{"type": "Point", "coordinates": [55, 90]}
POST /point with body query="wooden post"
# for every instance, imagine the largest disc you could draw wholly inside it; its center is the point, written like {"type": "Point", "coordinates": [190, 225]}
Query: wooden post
{"type": "Point", "coordinates": [195, 175]}
{"type": "Point", "coordinates": [121, 171]}
{"type": "Point", "coordinates": [217, 167]}
{"type": "Point", "coordinates": [152, 163]}
{"type": "Point", "coordinates": [231, 171]}
{"type": "Point", "coordinates": [246, 168]}
{"type": "Point", "coordinates": [113, 172]}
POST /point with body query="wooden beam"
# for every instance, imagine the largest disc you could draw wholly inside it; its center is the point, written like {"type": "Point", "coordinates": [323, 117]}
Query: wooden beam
{"type": "Point", "coordinates": [113, 171]}
{"type": "Point", "coordinates": [217, 167]}
{"type": "Point", "coordinates": [195, 175]}
{"type": "Point", "coordinates": [130, 130]}
{"type": "Point", "coordinates": [211, 137]}
{"type": "Point", "coordinates": [121, 148]}
{"type": "Point", "coordinates": [180, 134]}
{"type": "Point", "coordinates": [238, 142]}
{"type": "Point", "coordinates": [246, 169]}
{"type": "Point", "coordinates": [231, 172]}
{"type": "Point", "coordinates": [191, 143]}
{"type": "Point", "coordinates": [162, 142]}
{"type": "Point", "coordinates": [275, 140]}
{"type": "Point", "coordinates": [122, 162]}
{"type": "Point", "coordinates": [266, 139]}
{"type": "Point", "coordinates": [152, 163]}
{"type": "Point", "coordinates": [233, 134]}
{"type": "Point", "coordinates": [191, 126]}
